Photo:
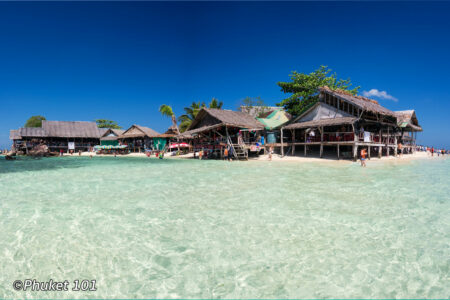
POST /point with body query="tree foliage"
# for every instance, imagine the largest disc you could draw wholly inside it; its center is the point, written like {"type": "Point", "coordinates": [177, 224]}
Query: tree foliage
{"type": "Point", "coordinates": [35, 121]}
{"type": "Point", "coordinates": [254, 106]}
{"type": "Point", "coordinates": [304, 88]}
{"type": "Point", "coordinates": [103, 123]}
{"type": "Point", "coordinates": [191, 112]}
{"type": "Point", "coordinates": [167, 111]}
{"type": "Point", "coordinates": [215, 103]}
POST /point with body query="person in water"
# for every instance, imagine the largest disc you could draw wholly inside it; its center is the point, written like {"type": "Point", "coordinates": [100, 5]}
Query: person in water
{"type": "Point", "coordinates": [363, 157]}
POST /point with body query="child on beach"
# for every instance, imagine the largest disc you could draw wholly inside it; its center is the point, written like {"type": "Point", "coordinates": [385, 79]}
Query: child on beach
{"type": "Point", "coordinates": [270, 153]}
{"type": "Point", "coordinates": [363, 157]}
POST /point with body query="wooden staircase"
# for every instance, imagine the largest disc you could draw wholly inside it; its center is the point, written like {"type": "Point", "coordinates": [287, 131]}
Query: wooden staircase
{"type": "Point", "coordinates": [240, 152]}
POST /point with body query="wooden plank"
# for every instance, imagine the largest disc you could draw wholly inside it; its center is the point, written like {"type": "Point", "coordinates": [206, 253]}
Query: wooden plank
{"type": "Point", "coordinates": [282, 146]}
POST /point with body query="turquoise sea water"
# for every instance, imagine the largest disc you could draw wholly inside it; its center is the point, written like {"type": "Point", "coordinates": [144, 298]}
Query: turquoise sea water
{"type": "Point", "coordinates": [146, 228]}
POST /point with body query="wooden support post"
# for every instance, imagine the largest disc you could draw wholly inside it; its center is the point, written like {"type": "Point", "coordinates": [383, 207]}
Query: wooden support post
{"type": "Point", "coordinates": [293, 141]}
{"type": "Point", "coordinates": [282, 146]}
{"type": "Point", "coordinates": [321, 142]}
{"type": "Point", "coordinates": [338, 150]}
{"type": "Point", "coordinates": [355, 149]}
{"type": "Point", "coordinates": [305, 143]}
{"type": "Point", "coordinates": [379, 147]}
{"type": "Point", "coordinates": [387, 143]}
{"type": "Point", "coordinates": [395, 145]}
{"type": "Point", "coordinates": [368, 152]}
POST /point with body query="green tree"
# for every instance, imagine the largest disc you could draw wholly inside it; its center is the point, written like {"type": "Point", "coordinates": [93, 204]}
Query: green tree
{"type": "Point", "coordinates": [215, 103]}
{"type": "Point", "coordinates": [167, 111]}
{"type": "Point", "coordinates": [102, 123]}
{"type": "Point", "coordinates": [191, 112]}
{"type": "Point", "coordinates": [254, 106]}
{"type": "Point", "coordinates": [189, 115]}
{"type": "Point", "coordinates": [35, 121]}
{"type": "Point", "coordinates": [304, 88]}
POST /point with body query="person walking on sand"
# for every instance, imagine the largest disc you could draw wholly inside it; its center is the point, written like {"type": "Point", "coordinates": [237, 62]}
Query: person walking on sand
{"type": "Point", "coordinates": [363, 157]}
{"type": "Point", "coordinates": [432, 151]}
{"type": "Point", "coordinates": [225, 154]}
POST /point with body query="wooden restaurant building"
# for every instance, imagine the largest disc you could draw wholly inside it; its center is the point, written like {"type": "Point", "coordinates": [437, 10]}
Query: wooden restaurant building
{"type": "Point", "coordinates": [346, 123]}
{"type": "Point", "coordinates": [213, 130]}
{"type": "Point", "coordinates": [58, 135]}
{"type": "Point", "coordinates": [138, 138]}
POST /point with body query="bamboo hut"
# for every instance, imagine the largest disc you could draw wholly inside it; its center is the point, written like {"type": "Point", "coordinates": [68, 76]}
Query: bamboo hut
{"type": "Point", "coordinates": [111, 137]}
{"type": "Point", "coordinates": [59, 135]}
{"type": "Point", "coordinates": [344, 122]}
{"type": "Point", "coordinates": [408, 123]}
{"type": "Point", "coordinates": [213, 130]}
{"type": "Point", "coordinates": [138, 138]}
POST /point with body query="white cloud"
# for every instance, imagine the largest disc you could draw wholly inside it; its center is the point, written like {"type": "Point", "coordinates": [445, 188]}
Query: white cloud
{"type": "Point", "coordinates": [379, 94]}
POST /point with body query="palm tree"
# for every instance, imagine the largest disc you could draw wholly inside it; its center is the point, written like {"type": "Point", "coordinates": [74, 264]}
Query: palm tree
{"type": "Point", "coordinates": [192, 111]}
{"type": "Point", "coordinates": [167, 111]}
{"type": "Point", "coordinates": [215, 103]}
{"type": "Point", "coordinates": [190, 114]}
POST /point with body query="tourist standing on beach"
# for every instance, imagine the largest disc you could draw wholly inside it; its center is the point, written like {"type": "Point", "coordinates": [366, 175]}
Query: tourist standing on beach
{"type": "Point", "coordinates": [363, 157]}
{"type": "Point", "coordinates": [270, 152]}
{"type": "Point", "coordinates": [225, 154]}
{"type": "Point", "coordinates": [400, 152]}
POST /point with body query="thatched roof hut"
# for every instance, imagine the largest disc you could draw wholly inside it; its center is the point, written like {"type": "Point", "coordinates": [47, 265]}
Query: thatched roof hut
{"type": "Point", "coordinates": [210, 118]}
{"type": "Point", "coordinates": [111, 134]}
{"type": "Point", "coordinates": [32, 132]}
{"type": "Point", "coordinates": [71, 129]}
{"type": "Point", "coordinates": [137, 131]}
{"type": "Point", "coordinates": [408, 119]}
{"type": "Point", "coordinates": [322, 123]}
{"type": "Point", "coordinates": [172, 131]}
{"type": "Point", "coordinates": [59, 129]}
{"type": "Point", "coordinates": [363, 103]}
{"type": "Point", "coordinates": [14, 134]}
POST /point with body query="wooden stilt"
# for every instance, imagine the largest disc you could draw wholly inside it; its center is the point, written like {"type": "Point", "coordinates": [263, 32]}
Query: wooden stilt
{"type": "Point", "coordinates": [387, 143]}
{"type": "Point", "coordinates": [395, 145]}
{"type": "Point", "coordinates": [293, 141]}
{"type": "Point", "coordinates": [282, 146]}
{"type": "Point", "coordinates": [379, 147]}
{"type": "Point", "coordinates": [355, 149]}
{"type": "Point", "coordinates": [338, 150]}
{"type": "Point", "coordinates": [368, 152]}
{"type": "Point", "coordinates": [305, 143]}
{"type": "Point", "coordinates": [321, 142]}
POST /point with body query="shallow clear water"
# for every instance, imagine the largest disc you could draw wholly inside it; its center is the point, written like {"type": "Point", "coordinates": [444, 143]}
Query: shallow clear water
{"type": "Point", "coordinates": [146, 228]}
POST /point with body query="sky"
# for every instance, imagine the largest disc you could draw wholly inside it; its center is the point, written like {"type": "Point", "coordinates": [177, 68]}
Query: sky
{"type": "Point", "coordinates": [81, 61]}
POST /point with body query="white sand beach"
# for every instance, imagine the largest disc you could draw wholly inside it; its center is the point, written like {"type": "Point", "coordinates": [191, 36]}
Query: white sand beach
{"type": "Point", "coordinates": [279, 158]}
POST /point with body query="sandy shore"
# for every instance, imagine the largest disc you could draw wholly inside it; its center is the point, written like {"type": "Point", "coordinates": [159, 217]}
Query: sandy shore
{"type": "Point", "coordinates": [278, 158]}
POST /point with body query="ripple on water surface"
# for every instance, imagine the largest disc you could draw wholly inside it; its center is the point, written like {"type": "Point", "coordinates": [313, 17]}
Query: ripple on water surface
{"type": "Point", "coordinates": [212, 229]}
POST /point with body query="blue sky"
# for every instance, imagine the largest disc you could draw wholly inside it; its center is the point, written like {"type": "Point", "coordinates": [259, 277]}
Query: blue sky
{"type": "Point", "coordinates": [121, 60]}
